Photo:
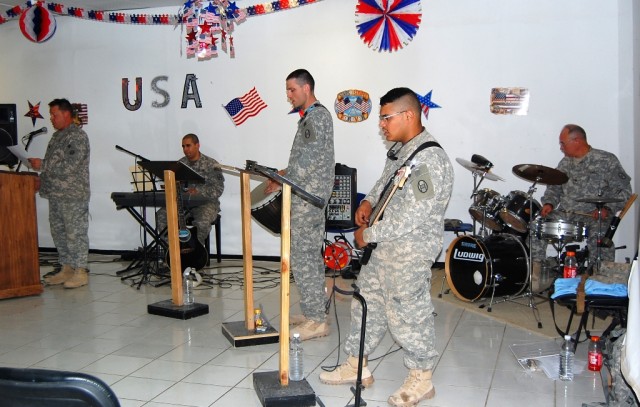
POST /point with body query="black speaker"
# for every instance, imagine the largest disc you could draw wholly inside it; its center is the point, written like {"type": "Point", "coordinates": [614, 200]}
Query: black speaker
{"type": "Point", "coordinates": [8, 133]}
{"type": "Point", "coordinates": [341, 209]}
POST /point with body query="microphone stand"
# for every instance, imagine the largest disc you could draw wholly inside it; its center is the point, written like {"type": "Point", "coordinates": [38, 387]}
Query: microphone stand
{"type": "Point", "coordinates": [26, 148]}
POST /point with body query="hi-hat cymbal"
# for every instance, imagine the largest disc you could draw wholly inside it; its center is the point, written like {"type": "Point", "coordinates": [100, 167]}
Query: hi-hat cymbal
{"type": "Point", "coordinates": [478, 169]}
{"type": "Point", "coordinates": [599, 200]}
{"type": "Point", "coordinates": [540, 174]}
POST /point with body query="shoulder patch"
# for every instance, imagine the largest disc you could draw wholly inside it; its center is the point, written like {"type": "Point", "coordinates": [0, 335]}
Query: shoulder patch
{"type": "Point", "coordinates": [421, 183]}
{"type": "Point", "coordinates": [308, 131]}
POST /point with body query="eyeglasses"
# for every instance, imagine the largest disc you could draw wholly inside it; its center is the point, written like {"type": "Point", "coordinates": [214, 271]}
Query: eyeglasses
{"type": "Point", "coordinates": [385, 117]}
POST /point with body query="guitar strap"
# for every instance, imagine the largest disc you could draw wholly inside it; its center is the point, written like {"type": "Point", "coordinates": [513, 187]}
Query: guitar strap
{"type": "Point", "coordinates": [386, 190]}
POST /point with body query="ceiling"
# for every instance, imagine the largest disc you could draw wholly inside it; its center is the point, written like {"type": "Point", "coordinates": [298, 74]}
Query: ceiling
{"type": "Point", "coordinates": [102, 4]}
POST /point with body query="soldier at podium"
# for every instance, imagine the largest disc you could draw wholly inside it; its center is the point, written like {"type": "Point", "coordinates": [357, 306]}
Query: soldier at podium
{"type": "Point", "coordinates": [64, 181]}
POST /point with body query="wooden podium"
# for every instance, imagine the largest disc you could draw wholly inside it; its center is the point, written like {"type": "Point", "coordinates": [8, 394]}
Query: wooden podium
{"type": "Point", "coordinates": [19, 266]}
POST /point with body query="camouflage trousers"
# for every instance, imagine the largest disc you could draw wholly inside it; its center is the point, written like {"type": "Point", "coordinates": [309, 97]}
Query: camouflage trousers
{"type": "Point", "coordinates": [202, 215]}
{"type": "Point", "coordinates": [398, 297]}
{"type": "Point", "coordinates": [69, 222]}
{"type": "Point", "coordinates": [307, 263]}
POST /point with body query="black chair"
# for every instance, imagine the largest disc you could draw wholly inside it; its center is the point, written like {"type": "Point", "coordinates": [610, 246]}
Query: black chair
{"type": "Point", "coordinates": [601, 306]}
{"type": "Point", "coordinates": [51, 388]}
{"type": "Point", "coordinates": [207, 242]}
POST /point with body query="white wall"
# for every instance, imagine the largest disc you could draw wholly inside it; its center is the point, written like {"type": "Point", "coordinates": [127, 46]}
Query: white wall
{"type": "Point", "coordinates": [570, 54]}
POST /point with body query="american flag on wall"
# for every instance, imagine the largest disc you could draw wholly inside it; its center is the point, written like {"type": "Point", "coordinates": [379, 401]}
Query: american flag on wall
{"type": "Point", "coordinates": [242, 108]}
{"type": "Point", "coordinates": [80, 109]}
{"type": "Point", "coordinates": [509, 101]}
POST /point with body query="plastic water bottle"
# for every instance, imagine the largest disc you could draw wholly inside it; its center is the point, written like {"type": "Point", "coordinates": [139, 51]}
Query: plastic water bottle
{"type": "Point", "coordinates": [296, 368]}
{"type": "Point", "coordinates": [187, 287]}
{"type": "Point", "coordinates": [259, 321]}
{"type": "Point", "coordinates": [594, 355]}
{"type": "Point", "coordinates": [566, 359]}
{"type": "Point", "coordinates": [570, 265]}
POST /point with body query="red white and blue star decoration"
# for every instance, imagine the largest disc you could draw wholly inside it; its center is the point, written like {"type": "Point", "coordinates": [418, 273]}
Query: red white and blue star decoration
{"type": "Point", "coordinates": [388, 25]}
{"type": "Point", "coordinates": [200, 41]}
{"type": "Point", "coordinates": [37, 24]}
{"type": "Point", "coordinates": [34, 112]}
{"type": "Point", "coordinates": [426, 103]}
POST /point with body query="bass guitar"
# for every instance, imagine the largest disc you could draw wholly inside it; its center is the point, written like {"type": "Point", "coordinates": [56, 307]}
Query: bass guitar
{"type": "Point", "coordinates": [397, 182]}
{"type": "Point", "coordinates": [192, 253]}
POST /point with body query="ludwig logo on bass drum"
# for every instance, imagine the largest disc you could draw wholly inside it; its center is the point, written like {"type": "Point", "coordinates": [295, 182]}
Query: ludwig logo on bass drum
{"type": "Point", "coordinates": [469, 256]}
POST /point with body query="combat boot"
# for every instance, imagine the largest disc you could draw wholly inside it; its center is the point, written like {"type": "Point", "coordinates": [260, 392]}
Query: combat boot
{"type": "Point", "coordinates": [61, 276]}
{"type": "Point", "coordinates": [80, 278]}
{"type": "Point", "coordinates": [347, 373]}
{"type": "Point", "coordinates": [297, 319]}
{"type": "Point", "coordinates": [311, 329]}
{"type": "Point", "coordinates": [417, 387]}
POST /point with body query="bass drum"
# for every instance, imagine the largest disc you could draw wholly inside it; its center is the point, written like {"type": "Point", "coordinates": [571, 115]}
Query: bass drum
{"type": "Point", "coordinates": [473, 266]}
{"type": "Point", "coordinates": [266, 209]}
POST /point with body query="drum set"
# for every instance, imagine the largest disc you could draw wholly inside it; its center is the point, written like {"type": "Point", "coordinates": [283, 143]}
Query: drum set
{"type": "Point", "coordinates": [496, 261]}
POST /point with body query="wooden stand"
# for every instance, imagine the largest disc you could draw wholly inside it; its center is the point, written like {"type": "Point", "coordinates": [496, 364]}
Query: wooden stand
{"type": "Point", "coordinates": [242, 333]}
{"type": "Point", "coordinates": [19, 267]}
{"type": "Point", "coordinates": [175, 308]}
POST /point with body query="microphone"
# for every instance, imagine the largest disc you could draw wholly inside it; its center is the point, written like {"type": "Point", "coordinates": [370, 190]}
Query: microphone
{"type": "Point", "coordinates": [36, 132]}
{"type": "Point", "coordinates": [481, 161]}
{"type": "Point", "coordinates": [391, 154]}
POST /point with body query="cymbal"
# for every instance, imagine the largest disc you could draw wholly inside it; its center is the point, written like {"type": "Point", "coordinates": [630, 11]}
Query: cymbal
{"type": "Point", "coordinates": [540, 174]}
{"type": "Point", "coordinates": [477, 169]}
{"type": "Point", "coordinates": [599, 200]}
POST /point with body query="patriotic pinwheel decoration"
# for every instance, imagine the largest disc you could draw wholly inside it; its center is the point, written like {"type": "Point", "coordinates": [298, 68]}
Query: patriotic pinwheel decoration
{"type": "Point", "coordinates": [387, 25]}
{"type": "Point", "coordinates": [37, 23]}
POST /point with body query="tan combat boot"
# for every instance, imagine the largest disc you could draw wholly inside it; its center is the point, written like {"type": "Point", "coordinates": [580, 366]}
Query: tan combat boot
{"type": "Point", "coordinates": [61, 276]}
{"type": "Point", "coordinates": [311, 329]}
{"type": "Point", "coordinates": [417, 387]}
{"type": "Point", "coordinates": [80, 278]}
{"type": "Point", "coordinates": [297, 319]}
{"type": "Point", "coordinates": [347, 373]}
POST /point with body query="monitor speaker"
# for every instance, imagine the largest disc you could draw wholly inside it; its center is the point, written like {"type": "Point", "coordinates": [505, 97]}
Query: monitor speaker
{"type": "Point", "coordinates": [8, 133]}
{"type": "Point", "coordinates": [341, 209]}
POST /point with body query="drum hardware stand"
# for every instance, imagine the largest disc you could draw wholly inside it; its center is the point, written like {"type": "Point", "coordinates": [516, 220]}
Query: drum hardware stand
{"type": "Point", "coordinates": [529, 289]}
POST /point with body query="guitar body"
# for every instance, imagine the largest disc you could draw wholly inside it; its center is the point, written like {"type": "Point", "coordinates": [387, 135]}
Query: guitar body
{"type": "Point", "coordinates": [192, 253]}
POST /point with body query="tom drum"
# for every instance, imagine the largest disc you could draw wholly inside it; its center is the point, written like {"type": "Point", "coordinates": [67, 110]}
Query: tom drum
{"type": "Point", "coordinates": [474, 266]}
{"type": "Point", "coordinates": [266, 209]}
{"type": "Point", "coordinates": [516, 211]}
{"type": "Point", "coordinates": [487, 207]}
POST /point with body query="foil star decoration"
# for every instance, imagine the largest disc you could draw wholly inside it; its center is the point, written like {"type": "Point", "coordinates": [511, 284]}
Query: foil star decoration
{"type": "Point", "coordinates": [34, 112]}
{"type": "Point", "coordinates": [426, 103]}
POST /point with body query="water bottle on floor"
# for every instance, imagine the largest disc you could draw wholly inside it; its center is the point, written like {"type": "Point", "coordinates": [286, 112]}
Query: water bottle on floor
{"type": "Point", "coordinates": [187, 287]}
{"type": "Point", "coordinates": [296, 368]}
{"type": "Point", "coordinates": [566, 359]}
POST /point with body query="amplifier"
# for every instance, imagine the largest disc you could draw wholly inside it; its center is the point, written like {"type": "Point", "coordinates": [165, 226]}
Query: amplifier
{"type": "Point", "coordinates": [341, 209]}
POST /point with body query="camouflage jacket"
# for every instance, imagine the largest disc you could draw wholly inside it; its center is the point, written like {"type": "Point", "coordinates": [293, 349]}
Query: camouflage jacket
{"type": "Point", "coordinates": [312, 160]}
{"type": "Point", "coordinates": [599, 173]}
{"type": "Point", "coordinates": [214, 180]}
{"type": "Point", "coordinates": [413, 221]}
{"type": "Point", "coordinates": [65, 168]}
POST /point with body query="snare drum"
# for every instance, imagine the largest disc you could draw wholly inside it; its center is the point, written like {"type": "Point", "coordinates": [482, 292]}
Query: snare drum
{"type": "Point", "coordinates": [267, 209]}
{"type": "Point", "coordinates": [487, 208]}
{"type": "Point", "coordinates": [560, 230]}
{"type": "Point", "coordinates": [515, 212]}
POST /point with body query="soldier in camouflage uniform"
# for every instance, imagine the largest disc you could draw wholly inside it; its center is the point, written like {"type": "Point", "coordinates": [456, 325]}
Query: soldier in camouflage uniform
{"type": "Point", "coordinates": [592, 173]}
{"type": "Point", "coordinates": [203, 215]}
{"type": "Point", "coordinates": [397, 280]}
{"type": "Point", "coordinates": [64, 181]}
{"type": "Point", "coordinates": [312, 167]}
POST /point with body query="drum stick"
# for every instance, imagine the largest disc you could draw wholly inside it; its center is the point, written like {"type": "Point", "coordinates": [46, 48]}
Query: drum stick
{"type": "Point", "coordinates": [615, 221]}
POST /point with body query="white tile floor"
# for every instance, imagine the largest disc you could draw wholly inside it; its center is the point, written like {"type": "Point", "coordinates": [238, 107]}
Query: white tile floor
{"type": "Point", "coordinates": [104, 330]}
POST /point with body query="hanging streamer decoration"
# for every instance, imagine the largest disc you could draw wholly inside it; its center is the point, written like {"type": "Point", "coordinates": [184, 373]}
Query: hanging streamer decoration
{"type": "Point", "coordinates": [37, 24]}
{"type": "Point", "coordinates": [388, 25]}
{"type": "Point", "coordinates": [203, 41]}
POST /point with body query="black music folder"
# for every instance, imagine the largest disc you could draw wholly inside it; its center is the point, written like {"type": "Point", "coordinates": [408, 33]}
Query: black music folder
{"type": "Point", "coordinates": [183, 172]}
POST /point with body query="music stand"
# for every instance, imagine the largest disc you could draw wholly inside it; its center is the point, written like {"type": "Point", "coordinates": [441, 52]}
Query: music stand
{"type": "Point", "coordinates": [272, 388]}
{"type": "Point", "coordinates": [170, 172]}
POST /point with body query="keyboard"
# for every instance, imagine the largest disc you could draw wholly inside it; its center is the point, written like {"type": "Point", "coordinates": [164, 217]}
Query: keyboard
{"type": "Point", "coordinates": [151, 199]}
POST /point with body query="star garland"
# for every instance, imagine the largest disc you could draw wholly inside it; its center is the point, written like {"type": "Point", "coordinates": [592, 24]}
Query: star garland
{"type": "Point", "coordinates": [150, 19]}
